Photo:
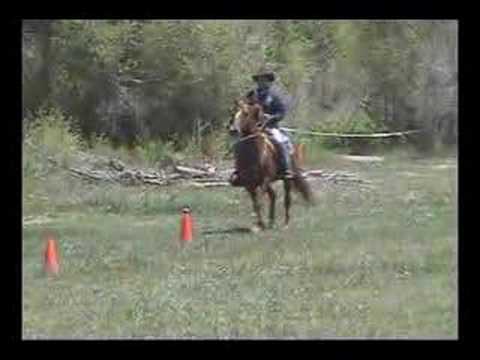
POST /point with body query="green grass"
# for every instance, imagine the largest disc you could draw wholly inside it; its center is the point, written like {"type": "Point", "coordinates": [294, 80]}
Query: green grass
{"type": "Point", "coordinates": [359, 264]}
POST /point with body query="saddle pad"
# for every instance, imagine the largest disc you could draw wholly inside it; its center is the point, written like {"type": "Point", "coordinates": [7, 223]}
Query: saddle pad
{"type": "Point", "coordinates": [269, 143]}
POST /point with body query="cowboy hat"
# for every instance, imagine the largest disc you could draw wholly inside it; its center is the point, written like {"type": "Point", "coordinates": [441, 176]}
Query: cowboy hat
{"type": "Point", "coordinates": [264, 74]}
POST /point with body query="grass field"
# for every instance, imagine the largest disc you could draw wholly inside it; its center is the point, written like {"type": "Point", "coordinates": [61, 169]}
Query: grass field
{"type": "Point", "coordinates": [371, 263]}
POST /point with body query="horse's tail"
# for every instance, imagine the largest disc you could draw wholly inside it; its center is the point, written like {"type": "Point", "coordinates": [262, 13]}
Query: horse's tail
{"type": "Point", "coordinates": [301, 184]}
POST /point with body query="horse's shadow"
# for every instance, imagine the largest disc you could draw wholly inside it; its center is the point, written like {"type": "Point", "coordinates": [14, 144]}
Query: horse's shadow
{"type": "Point", "coordinates": [234, 230]}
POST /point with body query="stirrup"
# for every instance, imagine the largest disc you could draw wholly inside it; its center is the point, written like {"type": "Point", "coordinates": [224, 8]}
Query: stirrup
{"type": "Point", "coordinates": [287, 174]}
{"type": "Point", "coordinates": [234, 179]}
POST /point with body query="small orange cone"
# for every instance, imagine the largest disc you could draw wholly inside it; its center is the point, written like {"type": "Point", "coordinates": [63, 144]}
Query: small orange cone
{"type": "Point", "coordinates": [186, 225]}
{"type": "Point", "coordinates": [52, 265]}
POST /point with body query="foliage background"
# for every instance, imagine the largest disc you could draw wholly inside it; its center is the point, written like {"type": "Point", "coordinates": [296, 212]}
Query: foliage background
{"type": "Point", "coordinates": [136, 81]}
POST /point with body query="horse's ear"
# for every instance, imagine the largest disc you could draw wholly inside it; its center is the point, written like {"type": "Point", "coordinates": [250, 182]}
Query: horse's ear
{"type": "Point", "coordinates": [257, 111]}
{"type": "Point", "coordinates": [242, 105]}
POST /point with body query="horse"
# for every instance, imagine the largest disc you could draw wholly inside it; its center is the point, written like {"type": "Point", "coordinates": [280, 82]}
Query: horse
{"type": "Point", "coordinates": [256, 162]}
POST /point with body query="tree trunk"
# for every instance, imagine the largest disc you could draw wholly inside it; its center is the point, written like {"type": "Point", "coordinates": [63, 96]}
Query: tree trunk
{"type": "Point", "coordinates": [385, 109]}
{"type": "Point", "coordinates": [37, 84]}
{"type": "Point", "coordinates": [43, 38]}
{"type": "Point", "coordinates": [394, 117]}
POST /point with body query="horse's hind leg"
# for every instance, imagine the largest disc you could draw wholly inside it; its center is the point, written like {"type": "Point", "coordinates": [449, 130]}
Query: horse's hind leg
{"type": "Point", "coordinates": [257, 207]}
{"type": "Point", "coordinates": [272, 197]}
{"type": "Point", "coordinates": [287, 200]}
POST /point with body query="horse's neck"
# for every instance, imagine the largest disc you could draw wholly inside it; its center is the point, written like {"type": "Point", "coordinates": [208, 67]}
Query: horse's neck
{"type": "Point", "coordinates": [263, 145]}
{"type": "Point", "coordinates": [256, 155]}
{"type": "Point", "coordinates": [252, 139]}
{"type": "Point", "coordinates": [250, 133]}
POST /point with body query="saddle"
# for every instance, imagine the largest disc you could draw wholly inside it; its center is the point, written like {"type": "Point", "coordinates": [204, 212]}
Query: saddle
{"type": "Point", "coordinates": [270, 145]}
{"type": "Point", "coordinates": [274, 148]}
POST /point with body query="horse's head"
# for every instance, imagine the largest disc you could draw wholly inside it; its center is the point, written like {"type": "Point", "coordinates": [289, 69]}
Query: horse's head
{"type": "Point", "coordinates": [246, 115]}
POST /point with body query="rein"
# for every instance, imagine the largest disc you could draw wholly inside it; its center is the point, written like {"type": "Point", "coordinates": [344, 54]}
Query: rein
{"type": "Point", "coordinates": [246, 138]}
{"type": "Point", "coordinates": [251, 135]}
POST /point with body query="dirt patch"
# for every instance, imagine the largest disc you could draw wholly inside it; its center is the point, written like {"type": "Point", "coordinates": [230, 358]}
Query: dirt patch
{"type": "Point", "coordinates": [147, 222]}
{"type": "Point", "coordinates": [444, 166]}
{"type": "Point", "coordinates": [38, 220]}
{"type": "Point", "coordinates": [412, 174]}
{"type": "Point", "coordinates": [362, 158]}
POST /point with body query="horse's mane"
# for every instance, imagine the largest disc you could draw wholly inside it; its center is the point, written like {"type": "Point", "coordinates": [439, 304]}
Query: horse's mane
{"type": "Point", "coordinates": [251, 99]}
{"type": "Point", "coordinates": [254, 111]}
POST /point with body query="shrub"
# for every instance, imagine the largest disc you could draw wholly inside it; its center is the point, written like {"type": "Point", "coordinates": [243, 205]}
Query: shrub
{"type": "Point", "coordinates": [49, 134]}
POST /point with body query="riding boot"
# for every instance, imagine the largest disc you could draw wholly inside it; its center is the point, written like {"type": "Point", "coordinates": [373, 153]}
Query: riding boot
{"type": "Point", "coordinates": [234, 179]}
{"type": "Point", "coordinates": [284, 171]}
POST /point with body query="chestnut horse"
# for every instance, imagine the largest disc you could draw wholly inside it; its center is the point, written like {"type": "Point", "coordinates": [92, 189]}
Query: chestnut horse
{"type": "Point", "coordinates": [256, 163]}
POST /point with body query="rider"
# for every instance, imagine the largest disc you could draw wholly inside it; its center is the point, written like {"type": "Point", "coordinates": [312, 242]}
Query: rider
{"type": "Point", "coordinates": [275, 108]}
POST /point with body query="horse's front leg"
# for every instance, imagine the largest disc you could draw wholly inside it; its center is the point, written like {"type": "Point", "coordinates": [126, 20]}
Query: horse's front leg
{"type": "Point", "coordinates": [257, 207]}
{"type": "Point", "coordinates": [272, 197]}
{"type": "Point", "coordinates": [287, 189]}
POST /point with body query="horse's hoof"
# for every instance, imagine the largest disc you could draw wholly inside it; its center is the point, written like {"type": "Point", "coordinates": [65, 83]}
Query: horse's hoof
{"type": "Point", "coordinates": [234, 180]}
{"type": "Point", "coordinates": [285, 227]}
{"type": "Point", "coordinates": [256, 229]}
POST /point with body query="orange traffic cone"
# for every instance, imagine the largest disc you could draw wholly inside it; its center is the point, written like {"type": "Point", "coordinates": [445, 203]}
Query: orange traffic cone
{"type": "Point", "coordinates": [52, 265]}
{"type": "Point", "coordinates": [186, 225]}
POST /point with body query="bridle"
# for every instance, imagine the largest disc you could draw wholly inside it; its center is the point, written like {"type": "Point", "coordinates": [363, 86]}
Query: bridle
{"type": "Point", "coordinates": [244, 138]}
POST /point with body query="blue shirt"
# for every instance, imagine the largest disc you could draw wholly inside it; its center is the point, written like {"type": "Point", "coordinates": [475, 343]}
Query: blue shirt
{"type": "Point", "coordinates": [272, 102]}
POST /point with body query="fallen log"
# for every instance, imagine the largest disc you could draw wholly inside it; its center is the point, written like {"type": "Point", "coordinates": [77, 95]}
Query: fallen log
{"type": "Point", "coordinates": [116, 164]}
{"type": "Point", "coordinates": [210, 180]}
{"type": "Point", "coordinates": [192, 172]}
{"type": "Point", "coordinates": [156, 182]}
{"type": "Point", "coordinates": [204, 176]}
{"type": "Point", "coordinates": [210, 184]}
{"type": "Point", "coordinates": [170, 177]}
{"type": "Point", "coordinates": [314, 173]}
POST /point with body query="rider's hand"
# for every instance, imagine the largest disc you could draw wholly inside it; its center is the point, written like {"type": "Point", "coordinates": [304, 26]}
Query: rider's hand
{"type": "Point", "coordinates": [269, 119]}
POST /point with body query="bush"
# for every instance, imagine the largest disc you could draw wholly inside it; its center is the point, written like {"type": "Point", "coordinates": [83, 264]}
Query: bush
{"type": "Point", "coordinates": [155, 152]}
{"type": "Point", "coordinates": [49, 134]}
{"type": "Point", "coordinates": [102, 145]}
{"type": "Point", "coordinates": [154, 79]}
{"type": "Point", "coordinates": [215, 145]}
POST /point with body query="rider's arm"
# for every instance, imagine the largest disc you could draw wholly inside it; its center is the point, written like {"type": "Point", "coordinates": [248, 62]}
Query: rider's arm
{"type": "Point", "coordinates": [278, 111]}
